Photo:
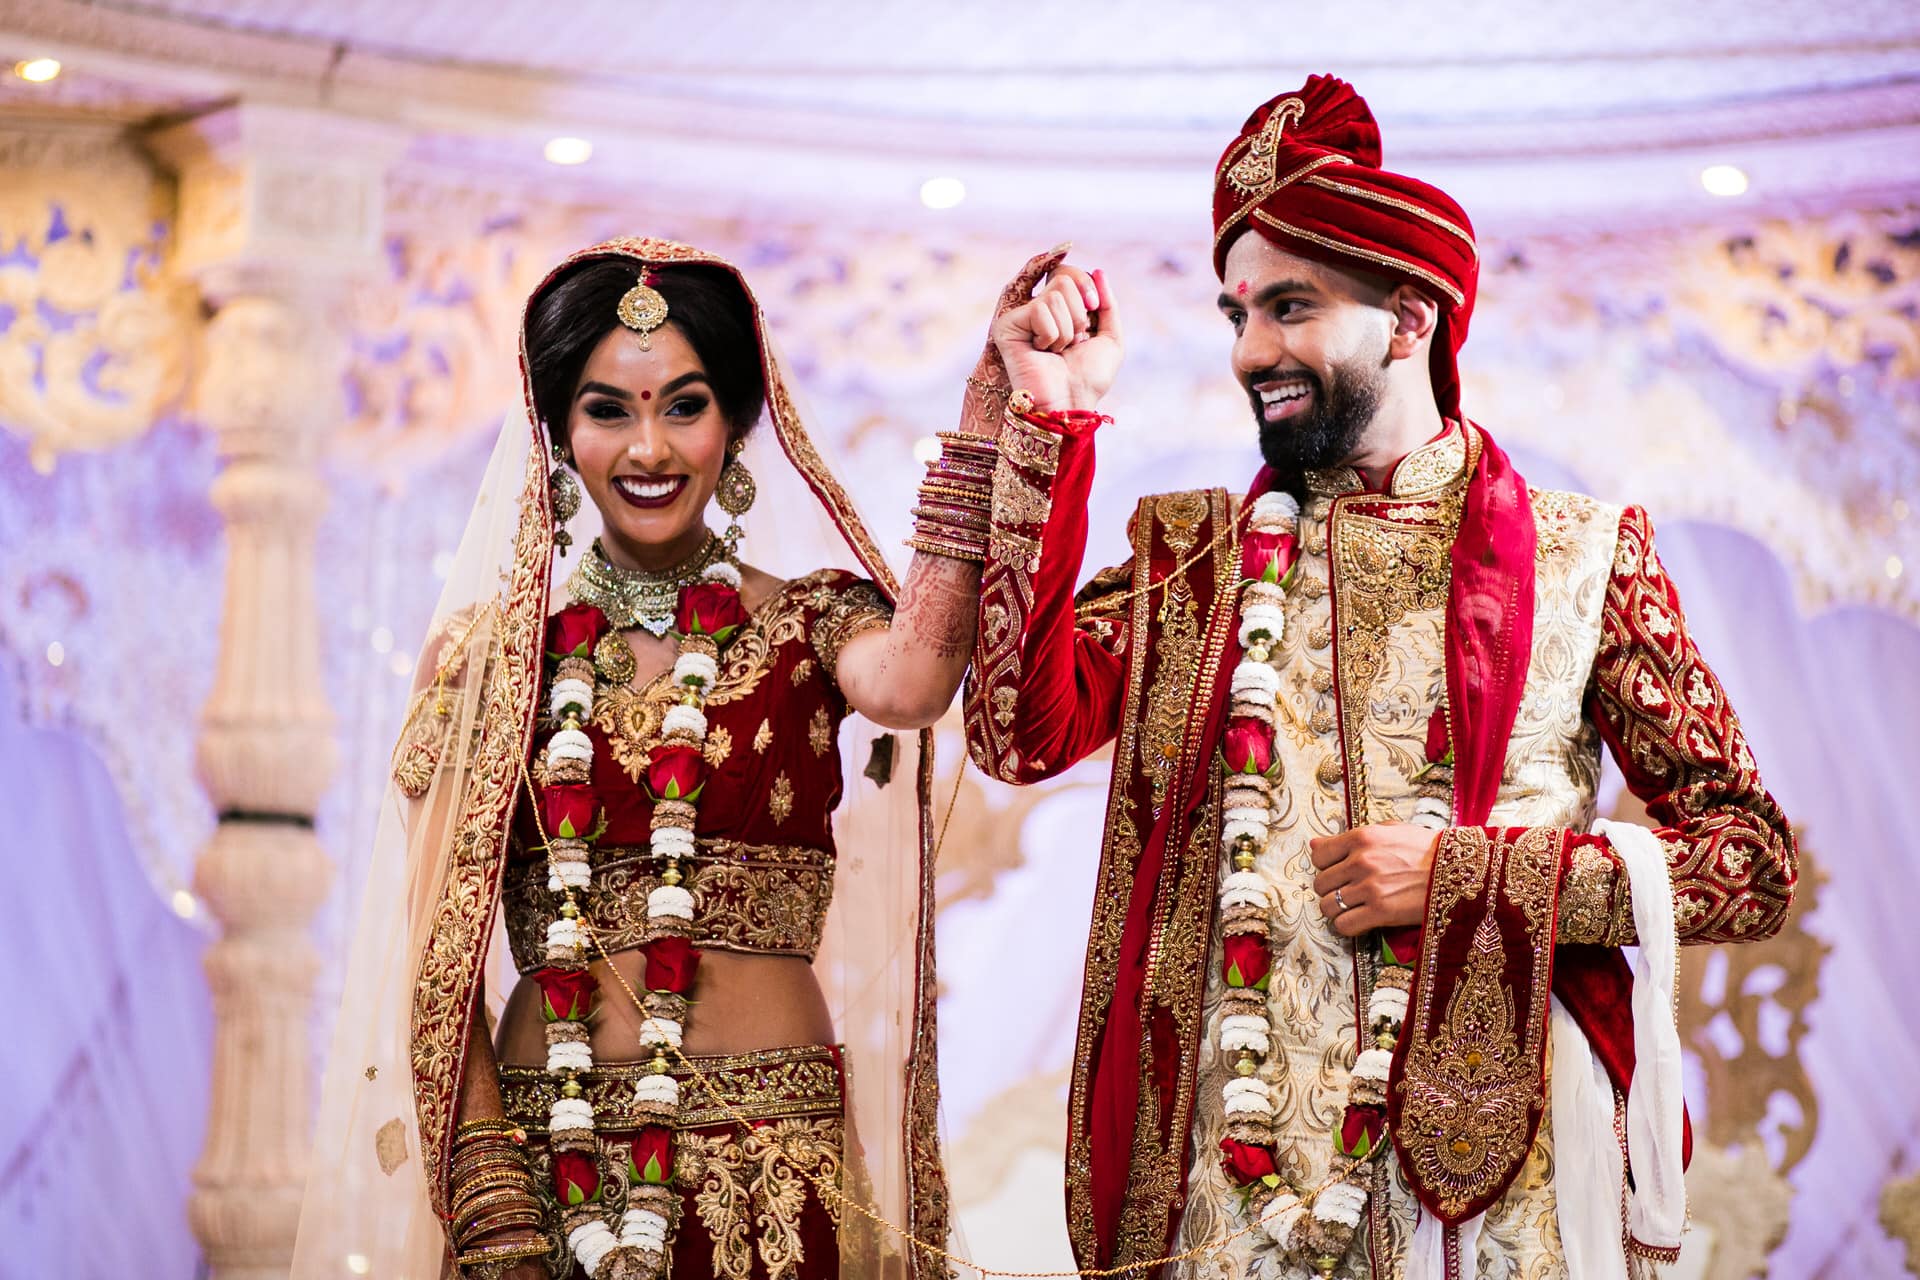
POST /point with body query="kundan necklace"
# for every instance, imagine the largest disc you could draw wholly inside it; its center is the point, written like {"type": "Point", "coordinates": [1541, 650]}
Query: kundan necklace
{"type": "Point", "coordinates": [640, 597]}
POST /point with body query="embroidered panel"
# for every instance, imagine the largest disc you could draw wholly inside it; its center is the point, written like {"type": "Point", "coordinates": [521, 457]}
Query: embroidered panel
{"type": "Point", "coordinates": [765, 899]}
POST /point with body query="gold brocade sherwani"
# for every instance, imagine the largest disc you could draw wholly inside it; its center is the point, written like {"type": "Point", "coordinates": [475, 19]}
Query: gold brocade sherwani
{"type": "Point", "coordinates": [1362, 671]}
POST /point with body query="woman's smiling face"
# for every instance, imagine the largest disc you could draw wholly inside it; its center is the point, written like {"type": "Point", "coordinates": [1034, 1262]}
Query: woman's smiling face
{"type": "Point", "coordinates": [649, 441]}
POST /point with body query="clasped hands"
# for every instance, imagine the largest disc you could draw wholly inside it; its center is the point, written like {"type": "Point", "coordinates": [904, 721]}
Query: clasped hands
{"type": "Point", "coordinates": [1374, 877]}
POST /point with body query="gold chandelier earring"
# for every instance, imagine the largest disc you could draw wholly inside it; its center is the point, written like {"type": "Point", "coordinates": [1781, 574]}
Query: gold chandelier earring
{"type": "Point", "coordinates": [564, 492]}
{"type": "Point", "coordinates": [735, 493]}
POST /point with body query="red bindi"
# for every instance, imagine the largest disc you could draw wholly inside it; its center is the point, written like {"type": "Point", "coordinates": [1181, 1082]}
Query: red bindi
{"type": "Point", "coordinates": [1241, 288]}
{"type": "Point", "coordinates": [646, 395]}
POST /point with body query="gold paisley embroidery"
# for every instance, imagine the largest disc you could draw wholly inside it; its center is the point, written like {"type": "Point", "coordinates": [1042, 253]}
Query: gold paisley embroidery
{"type": "Point", "coordinates": [820, 731]}
{"type": "Point", "coordinates": [763, 737]}
{"type": "Point", "coordinates": [751, 1190]}
{"type": "Point", "coordinates": [780, 798]}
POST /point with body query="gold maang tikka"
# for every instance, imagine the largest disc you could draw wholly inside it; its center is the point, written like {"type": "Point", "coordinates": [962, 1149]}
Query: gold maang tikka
{"type": "Point", "coordinates": [643, 309]}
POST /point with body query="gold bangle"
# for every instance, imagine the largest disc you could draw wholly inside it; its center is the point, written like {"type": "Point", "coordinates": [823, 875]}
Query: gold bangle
{"type": "Point", "coordinates": [503, 1253]}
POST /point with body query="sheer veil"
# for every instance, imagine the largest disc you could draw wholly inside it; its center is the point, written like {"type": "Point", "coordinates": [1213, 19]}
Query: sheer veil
{"type": "Point", "coordinates": [429, 923]}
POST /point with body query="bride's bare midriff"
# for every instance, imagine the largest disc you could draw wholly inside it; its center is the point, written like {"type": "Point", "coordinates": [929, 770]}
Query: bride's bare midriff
{"type": "Point", "coordinates": [741, 1003]}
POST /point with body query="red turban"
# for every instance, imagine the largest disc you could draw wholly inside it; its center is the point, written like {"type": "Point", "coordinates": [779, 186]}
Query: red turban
{"type": "Point", "coordinates": [1305, 172]}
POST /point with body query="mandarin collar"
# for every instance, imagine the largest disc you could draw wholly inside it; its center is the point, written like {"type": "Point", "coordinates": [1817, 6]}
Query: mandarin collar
{"type": "Point", "coordinates": [1435, 465]}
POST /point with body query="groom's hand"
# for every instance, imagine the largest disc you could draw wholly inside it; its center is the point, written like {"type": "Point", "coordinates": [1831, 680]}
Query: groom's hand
{"type": "Point", "coordinates": [1063, 345]}
{"type": "Point", "coordinates": [1374, 877]}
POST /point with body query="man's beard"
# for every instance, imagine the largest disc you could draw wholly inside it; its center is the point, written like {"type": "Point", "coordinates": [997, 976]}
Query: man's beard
{"type": "Point", "coordinates": [1327, 434]}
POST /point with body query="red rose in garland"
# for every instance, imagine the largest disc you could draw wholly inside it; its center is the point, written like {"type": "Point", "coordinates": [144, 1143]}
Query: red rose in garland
{"type": "Point", "coordinates": [650, 1157]}
{"type": "Point", "coordinates": [710, 609]}
{"type": "Point", "coordinates": [1267, 557]}
{"type": "Point", "coordinates": [1245, 961]}
{"type": "Point", "coordinates": [1360, 1131]}
{"type": "Point", "coordinates": [676, 771]}
{"type": "Point", "coordinates": [1248, 747]}
{"type": "Point", "coordinates": [1400, 947]}
{"type": "Point", "coordinates": [576, 1178]}
{"type": "Point", "coordinates": [1439, 744]}
{"type": "Point", "coordinates": [574, 631]}
{"type": "Point", "coordinates": [569, 811]}
{"type": "Point", "coordinates": [1245, 1163]}
{"type": "Point", "coordinates": [566, 994]}
{"type": "Point", "coordinates": [671, 963]}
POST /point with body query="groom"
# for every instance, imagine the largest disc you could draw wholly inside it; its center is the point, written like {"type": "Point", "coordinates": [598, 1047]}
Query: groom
{"type": "Point", "coordinates": [1354, 1002]}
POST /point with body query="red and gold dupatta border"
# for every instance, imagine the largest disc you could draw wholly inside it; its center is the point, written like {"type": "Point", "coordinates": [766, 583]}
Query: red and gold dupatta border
{"type": "Point", "coordinates": [450, 964]}
{"type": "Point", "coordinates": [1136, 1064]}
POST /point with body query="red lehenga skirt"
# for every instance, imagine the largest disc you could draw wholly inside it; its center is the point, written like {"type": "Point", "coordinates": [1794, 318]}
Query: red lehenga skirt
{"type": "Point", "coordinates": [750, 1209]}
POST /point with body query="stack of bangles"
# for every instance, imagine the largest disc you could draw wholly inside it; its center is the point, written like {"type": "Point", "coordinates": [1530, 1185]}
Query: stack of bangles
{"type": "Point", "coordinates": [493, 1194]}
{"type": "Point", "coordinates": [956, 499]}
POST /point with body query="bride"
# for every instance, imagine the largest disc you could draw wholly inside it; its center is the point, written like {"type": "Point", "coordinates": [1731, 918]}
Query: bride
{"type": "Point", "coordinates": [639, 777]}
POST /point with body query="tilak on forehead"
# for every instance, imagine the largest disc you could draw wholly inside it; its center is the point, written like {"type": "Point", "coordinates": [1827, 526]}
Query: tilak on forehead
{"type": "Point", "coordinates": [1305, 173]}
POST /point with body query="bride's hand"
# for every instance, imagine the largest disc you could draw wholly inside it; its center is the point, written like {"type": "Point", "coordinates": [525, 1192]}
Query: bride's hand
{"type": "Point", "coordinates": [1063, 345]}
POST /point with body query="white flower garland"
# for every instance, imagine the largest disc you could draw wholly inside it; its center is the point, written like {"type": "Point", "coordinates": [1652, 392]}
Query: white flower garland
{"type": "Point", "coordinates": [1311, 1228]}
{"type": "Point", "coordinates": [644, 1231]}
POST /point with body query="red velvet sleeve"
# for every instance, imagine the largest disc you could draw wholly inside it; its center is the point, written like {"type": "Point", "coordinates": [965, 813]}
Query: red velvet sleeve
{"type": "Point", "coordinates": [1045, 686]}
{"type": "Point", "coordinates": [1665, 717]}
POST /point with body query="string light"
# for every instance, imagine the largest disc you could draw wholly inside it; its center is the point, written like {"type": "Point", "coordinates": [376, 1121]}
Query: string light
{"type": "Point", "coordinates": [942, 193]}
{"type": "Point", "coordinates": [37, 70]}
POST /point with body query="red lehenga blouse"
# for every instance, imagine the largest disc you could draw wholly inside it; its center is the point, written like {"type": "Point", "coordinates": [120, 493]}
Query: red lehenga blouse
{"type": "Point", "coordinates": [761, 881]}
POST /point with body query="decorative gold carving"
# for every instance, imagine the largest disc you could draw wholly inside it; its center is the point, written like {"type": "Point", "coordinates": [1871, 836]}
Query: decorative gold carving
{"type": "Point", "coordinates": [1899, 1214]}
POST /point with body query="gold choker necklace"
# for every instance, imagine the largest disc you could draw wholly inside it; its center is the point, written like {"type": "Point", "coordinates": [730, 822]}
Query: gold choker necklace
{"type": "Point", "coordinates": [639, 597]}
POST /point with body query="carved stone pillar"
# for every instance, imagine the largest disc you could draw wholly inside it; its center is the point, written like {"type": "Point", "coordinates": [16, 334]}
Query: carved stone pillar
{"type": "Point", "coordinates": [273, 222]}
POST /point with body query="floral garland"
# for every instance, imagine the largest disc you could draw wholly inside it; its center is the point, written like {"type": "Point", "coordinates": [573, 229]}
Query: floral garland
{"type": "Point", "coordinates": [1312, 1230]}
{"type": "Point", "coordinates": [710, 613]}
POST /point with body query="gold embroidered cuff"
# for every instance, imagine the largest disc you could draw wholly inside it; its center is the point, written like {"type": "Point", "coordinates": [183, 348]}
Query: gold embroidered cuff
{"type": "Point", "coordinates": [1034, 447]}
{"type": "Point", "coordinates": [1596, 900]}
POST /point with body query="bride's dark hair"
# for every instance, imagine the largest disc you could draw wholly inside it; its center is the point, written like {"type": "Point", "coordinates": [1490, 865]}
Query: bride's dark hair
{"type": "Point", "coordinates": [705, 303]}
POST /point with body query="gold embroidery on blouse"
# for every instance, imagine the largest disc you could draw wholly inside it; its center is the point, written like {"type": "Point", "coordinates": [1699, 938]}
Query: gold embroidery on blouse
{"type": "Point", "coordinates": [802, 672]}
{"type": "Point", "coordinates": [763, 737]}
{"type": "Point", "coordinates": [780, 799]}
{"type": "Point", "coordinates": [854, 610]}
{"type": "Point", "coordinates": [820, 731]}
{"type": "Point", "coordinates": [767, 899]}
{"type": "Point", "coordinates": [719, 746]}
